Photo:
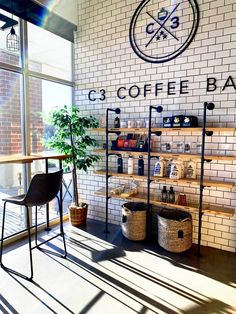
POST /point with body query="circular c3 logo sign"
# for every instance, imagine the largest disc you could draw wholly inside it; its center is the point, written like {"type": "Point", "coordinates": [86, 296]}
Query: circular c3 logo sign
{"type": "Point", "coordinates": [161, 30]}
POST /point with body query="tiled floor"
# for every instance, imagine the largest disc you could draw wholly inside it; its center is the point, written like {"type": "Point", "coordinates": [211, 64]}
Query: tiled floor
{"type": "Point", "coordinates": [110, 274]}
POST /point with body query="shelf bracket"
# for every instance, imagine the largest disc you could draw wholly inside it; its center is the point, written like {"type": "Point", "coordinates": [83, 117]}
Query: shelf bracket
{"type": "Point", "coordinates": [207, 160]}
{"type": "Point", "coordinates": [114, 132]}
{"type": "Point", "coordinates": [209, 133]}
{"type": "Point", "coordinates": [157, 133]}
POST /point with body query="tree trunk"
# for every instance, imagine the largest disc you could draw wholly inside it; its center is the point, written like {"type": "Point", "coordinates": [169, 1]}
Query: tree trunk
{"type": "Point", "coordinates": [74, 173]}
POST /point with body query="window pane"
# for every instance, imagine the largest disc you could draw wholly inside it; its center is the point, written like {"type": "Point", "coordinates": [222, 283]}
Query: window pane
{"type": "Point", "coordinates": [46, 96]}
{"type": "Point", "coordinates": [6, 56]}
{"type": "Point", "coordinates": [49, 54]}
{"type": "Point", "coordinates": [10, 113]}
{"type": "Point", "coordinates": [10, 143]}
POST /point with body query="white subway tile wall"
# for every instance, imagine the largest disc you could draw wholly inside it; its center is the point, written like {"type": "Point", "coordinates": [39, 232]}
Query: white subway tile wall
{"type": "Point", "coordinates": [105, 60]}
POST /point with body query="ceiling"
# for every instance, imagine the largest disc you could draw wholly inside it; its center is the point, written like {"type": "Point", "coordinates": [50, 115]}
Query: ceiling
{"type": "Point", "coordinates": [52, 15]}
{"type": "Point", "coordinates": [65, 8]}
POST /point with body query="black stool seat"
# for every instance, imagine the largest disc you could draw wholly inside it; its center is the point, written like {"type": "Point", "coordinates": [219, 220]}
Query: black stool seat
{"type": "Point", "coordinates": [43, 189]}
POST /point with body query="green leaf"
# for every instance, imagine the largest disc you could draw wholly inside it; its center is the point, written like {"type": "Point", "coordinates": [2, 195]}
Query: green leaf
{"type": "Point", "coordinates": [70, 136]}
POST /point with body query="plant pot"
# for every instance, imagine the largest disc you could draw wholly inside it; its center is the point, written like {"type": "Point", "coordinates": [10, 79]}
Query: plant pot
{"type": "Point", "coordinates": [78, 214]}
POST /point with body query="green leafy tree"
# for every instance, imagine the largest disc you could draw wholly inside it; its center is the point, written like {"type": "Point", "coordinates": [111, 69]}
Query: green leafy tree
{"type": "Point", "coordinates": [70, 138]}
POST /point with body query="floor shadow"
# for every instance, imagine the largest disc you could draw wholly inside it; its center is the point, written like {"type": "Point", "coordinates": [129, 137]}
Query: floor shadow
{"type": "Point", "coordinates": [207, 264]}
{"type": "Point", "coordinates": [200, 305]}
{"type": "Point", "coordinates": [38, 298]}
{"type": "Point", "coordinates": [92, 302]}
{"type": "Point", "coordinates": [117, 284]}
{"type": "Point", "coordinates": [119, 244]}
{"type": "Point", "coordinates": [6, 307]}
{"type": "Point", "coordinates": [99, 255]}
{"type": "Point", "coordinates": [213, 306]}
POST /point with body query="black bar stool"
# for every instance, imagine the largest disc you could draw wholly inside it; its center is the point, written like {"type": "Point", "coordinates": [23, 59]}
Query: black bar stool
{"type": "Point", "coordinates": [66, 186]}
{"type": "Point", "coordinates": [43, 188]}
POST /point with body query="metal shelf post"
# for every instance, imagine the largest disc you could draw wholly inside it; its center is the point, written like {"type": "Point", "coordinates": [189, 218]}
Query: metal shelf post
{"type": "Point", "coordinates": [117, 111]}
{"type": "Point", "coordinates": [209, 106]}
{"type": "Point", "coordinates": [159, 110]}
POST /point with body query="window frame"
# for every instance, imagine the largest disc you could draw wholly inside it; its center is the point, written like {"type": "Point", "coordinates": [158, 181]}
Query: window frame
{"type": "Point", "coordinates": [26, 74]}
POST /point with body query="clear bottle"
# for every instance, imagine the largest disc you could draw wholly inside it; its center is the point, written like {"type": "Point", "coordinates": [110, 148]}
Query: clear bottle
{"type": "Point", "coordinates": [171, 195]}
{"type": "Point", "coordinates": [140, 166]}
{"type": "Point", "coordinates": [130, 165]}
{"type": "Point", "coordinates": [119, 164]}
{"type": "Point", "coordinates": [117, 122]}
{"type": "Point", "coordinates": [164, 194]}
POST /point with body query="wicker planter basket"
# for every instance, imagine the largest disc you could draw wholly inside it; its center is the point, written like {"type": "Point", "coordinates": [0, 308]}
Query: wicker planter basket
{"type": "Point", "coordinates": [174, 230]}
{"type": "Point", "coordinates": [78, 215]}
{"type": "Point", "coordinates": [134, 217]}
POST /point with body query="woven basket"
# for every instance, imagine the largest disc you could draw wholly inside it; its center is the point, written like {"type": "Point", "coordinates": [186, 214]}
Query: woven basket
{"type": "Point", "coordinates": [134, 217]}
{"type": "Point", "coordinates": [78, 215]}
{"type": "Point", "coordinates": [174, 230]}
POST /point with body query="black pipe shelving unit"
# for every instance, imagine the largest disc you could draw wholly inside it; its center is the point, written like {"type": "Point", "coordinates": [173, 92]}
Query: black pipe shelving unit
{"type": "Point", "coordinates": [207, 106]}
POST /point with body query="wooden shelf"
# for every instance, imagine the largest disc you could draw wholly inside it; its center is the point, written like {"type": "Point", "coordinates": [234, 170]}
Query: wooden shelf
{"type": "Point", "coordinates": [166, 130]}
{"type": "Point", "coordinates": [199, 129]}
{"type": "Point", "coordinates": [207, 183]}
{"type": "Point", "coordinates": [121, 175]}
{"type": "Point", "coordinates": [121, 152]}
{"type": "Point", "coordinates": [207, 209]}
{"type": "Point", "coordinates": [167, 155]}
{"type": "Point", "coordinates": [191, 156]}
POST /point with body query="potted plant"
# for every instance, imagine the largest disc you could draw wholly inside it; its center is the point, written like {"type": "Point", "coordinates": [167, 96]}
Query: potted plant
{"type": "Point", "coordinates": [70, 137]}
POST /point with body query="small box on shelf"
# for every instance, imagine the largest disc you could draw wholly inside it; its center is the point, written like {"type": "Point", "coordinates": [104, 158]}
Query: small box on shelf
{"type": "Point", "coordinates": [177, 121]}
{"type": "Point", "coordinates": [167, 122]}
{"type": "Point", "coordinates": [190, 121]}
{"type": "Point", "coordinates": [180, 121]}
{"type": "Point", "coordinates": [131, 142]}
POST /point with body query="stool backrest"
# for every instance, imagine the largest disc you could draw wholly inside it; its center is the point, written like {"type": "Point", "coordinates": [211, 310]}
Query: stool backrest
{"type": "Point", "coordinates": [43, 188]}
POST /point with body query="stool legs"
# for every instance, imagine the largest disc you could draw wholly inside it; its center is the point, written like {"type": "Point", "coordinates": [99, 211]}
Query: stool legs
{"type": "Point", "coordinates": [29, 240]}
{"type": "Point", "coordinates": [30, 247]}
{"type": "Point", "coordinates": [62, 234]}
{"type": "Point", "coordinates": [2, 236]}
{"type": "Point", "coordinates": [61, 225]}
{"type": "Point", "coordinates": [36, 226]}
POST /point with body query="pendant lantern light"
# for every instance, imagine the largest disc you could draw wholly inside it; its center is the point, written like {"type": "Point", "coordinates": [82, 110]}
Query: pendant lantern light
{"type": "Point", "coordinates": [12, 38]}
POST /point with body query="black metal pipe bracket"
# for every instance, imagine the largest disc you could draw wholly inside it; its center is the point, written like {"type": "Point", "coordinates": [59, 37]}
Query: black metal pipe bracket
{"type": "Point", "coordinates": [157, 133]}
{"type": "Point", "coordinates": [209, 133]}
